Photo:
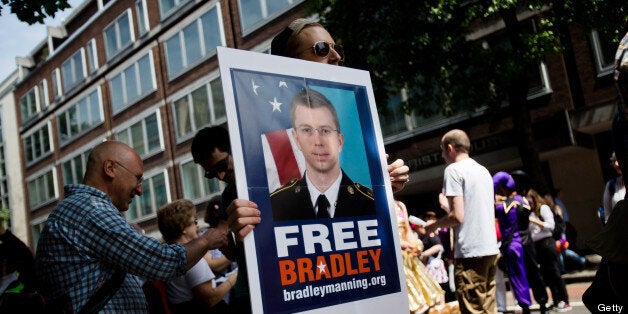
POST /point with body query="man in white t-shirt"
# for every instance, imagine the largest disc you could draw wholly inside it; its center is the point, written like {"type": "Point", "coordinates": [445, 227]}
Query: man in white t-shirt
{"type": "Point", "coordinates": [468, 198]}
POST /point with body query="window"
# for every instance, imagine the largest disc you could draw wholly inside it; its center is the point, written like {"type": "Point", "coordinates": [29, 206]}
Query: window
{"type": "Point", "coordinates": [41, 189]}
{"type": "Point", "coordinates": [4, 189]}
{"type": "Point", "coordinates": [34, 101]}
{"type": "Point", "coordinates": [74, 168]}
{"type": "Point", "coordinates": [92, 57]}
{"type": "Point", "coordinates": [193, 43]}
{"type": "Point", "coordinates": [392, 118]}
{"type": "Point", "coordinates": [37, 228]}
{"type": "Point", "coordinates": [42, 93]}
{"type": "Point", "coordinates": [80, 117]}
{"type": "Point", "coordinates": [144, 136]}
{"type": "Point", "coordinates": [604, 53]}
{"type": "Point", "coordinates": [155, 193]}
{"type": "Point", "coordinates": [202, 107]}
{"type": "Point", "coordinates": [73, 71]}
{"type": "Point", "coordinates": [28, 105]}
{"type": "Point", "coordinates": [166, 7]}
{"type": "Point", "coordinates": [56, 84]}
{"type": "Point", "coordinates": [118, 35]}
{"type": "Point", "coordinates": [253, 12]}
{"type": "Point", "coordinates": [195, 186]}
{"type": "Point", "coordinates": [142, 17]}
{"type": "Point", "coordinates": [37, 144]}
{"type": "Point", "coordinates": [133, 83]}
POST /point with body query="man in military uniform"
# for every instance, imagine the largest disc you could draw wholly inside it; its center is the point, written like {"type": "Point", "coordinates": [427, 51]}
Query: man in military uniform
{"type": "Point", "coordinates": [325, 191]}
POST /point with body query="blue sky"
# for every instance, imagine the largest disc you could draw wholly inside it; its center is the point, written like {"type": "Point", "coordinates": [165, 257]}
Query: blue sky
{"type": "Point", "coordinates": [18, 38]}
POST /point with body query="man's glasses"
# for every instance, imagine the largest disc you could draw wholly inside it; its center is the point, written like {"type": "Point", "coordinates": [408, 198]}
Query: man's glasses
{"type": "Point", "coordinates": [196, 221]}
{"type": "Point", "coordinates": [220, 166]}
{"type": "Point", "coordinates": [322, 132]}
{"type": "Point", "coordinates": [323, 48]}
{"type": "Point", "coordinates": [139, 177]}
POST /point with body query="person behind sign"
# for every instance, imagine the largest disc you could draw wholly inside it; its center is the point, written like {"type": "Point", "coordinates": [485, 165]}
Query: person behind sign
{"type": "Point", "coordinates": [86, 241]}
{"type": "Point", "coordinates": [308, 40]}
{"type": "Point", "coordinates": [196, 291]}
{"type": "Point", "coordinates": [469, 200]}
{"type": "Point", "coordinates": [325, 191]}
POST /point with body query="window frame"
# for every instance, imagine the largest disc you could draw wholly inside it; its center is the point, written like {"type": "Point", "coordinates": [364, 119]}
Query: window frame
{"type": "Point", "coordinates": [142, 119]}
{"type": "Point", "coordinates": [46, 125]}
{"type": "Point", "coordinates": [121, 72]}
{"type": "Point", "coordinates": [148, 179]}
{"type": "Point", "coordinates": [119, 45]}
{"type": "Point", "coordinates": [186, 92]}
{"type": "Point", "coordinates": [47, 198]}
{"type": "Point", "coordinates": [77, 81]}
{"type": "Point", "coordinates": [85, 96]}
{"type": "Point", "coordinates": [200, 181]}
{"type": "Point", "coordinates": [195, 18]}
{"type": "Point", "coordinates": [598, 56]}
{"type": "Point", "coordinates": [266, 16]}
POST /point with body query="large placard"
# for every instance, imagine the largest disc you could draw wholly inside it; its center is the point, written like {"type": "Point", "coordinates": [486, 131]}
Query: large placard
{"type": "Point", "coordinates": [296, 261]}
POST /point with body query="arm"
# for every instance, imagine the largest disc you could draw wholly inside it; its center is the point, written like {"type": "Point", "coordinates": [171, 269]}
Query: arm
{"type": "Point", "coordinates": [217, 264]}
{"type": "Point", "coordinates": [210, 295]}
{"type": "Point", "coordinates": [435, 249]}
{"type": "Point", "coordinates": [453, 218]}
{"type": "Point", "coordinates": [548, 218]}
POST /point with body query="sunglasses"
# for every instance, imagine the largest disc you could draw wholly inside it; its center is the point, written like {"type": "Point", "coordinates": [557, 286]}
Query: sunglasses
{"type": "Point", "coordinates": [220, 166]}
{"type": "Point", "coordinates": [323, 48]}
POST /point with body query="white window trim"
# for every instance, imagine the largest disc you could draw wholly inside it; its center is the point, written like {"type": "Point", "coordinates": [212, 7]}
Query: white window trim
{"type": "Point", "coordinates": [138, 118]}
{"type": "Point", "coordinates": [36, 128]}
{"type": "Point", "coordinates": [149, 174]}
{"type": "Point", "coordinates": [178, 29]}
{"type": "Point", "coordinates": [175, 8]}
{"type": "Point", "coordinates": [131, 61]}
{"type": "Point", "coordinates": [266, 18]}
{"type": "Point", "coordinates": [601, 69]}
{"type": "Point", "coordinates": [114, 23]}
{"type": "Point", "coordinates": [183, 159]}
{"type": "Point", "coordinates": [92, 43]}
{"type": "Point", "coordinates": [57, 76]}
{"type": "Point", "coordinates": [69, 105]}
{"type": "Point", "coordinates": [146, 22]}
{"type": "Point", "coordinates": [78, 81]}
{"type": "Point", "coordinates": [55, 187]}
{"type": "Point", "coordinates": [42, 107]}
{"type": "Point", "coordinates": [185, 92]}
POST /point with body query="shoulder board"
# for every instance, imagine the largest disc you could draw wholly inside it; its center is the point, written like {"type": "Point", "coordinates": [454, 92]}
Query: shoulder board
{"type": "Point", "coordinates": [285, 187]}
{"type": "Point", "coordinates": [364, 190]}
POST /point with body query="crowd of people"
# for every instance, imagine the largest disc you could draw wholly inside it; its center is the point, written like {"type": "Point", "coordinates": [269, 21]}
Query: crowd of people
{"type": "Point", "coordinates": [89, 259]}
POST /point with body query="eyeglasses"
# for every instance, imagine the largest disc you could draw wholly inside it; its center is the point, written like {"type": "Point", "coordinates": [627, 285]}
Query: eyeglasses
{"type": "Point", "coordinates": [323, 48]}
{"type": "Point", "coordinates": [220, 166]}
{"type": "Point", "coordinates": [196, 221]}
{"type": "Point", "coordinates": [139, 177]}
{"type": "Point", "coordinates": [322, 132]}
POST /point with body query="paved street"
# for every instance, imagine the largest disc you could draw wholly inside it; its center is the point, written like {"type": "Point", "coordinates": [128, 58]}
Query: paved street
{"type": "Point", "coordinates": [577, 283]}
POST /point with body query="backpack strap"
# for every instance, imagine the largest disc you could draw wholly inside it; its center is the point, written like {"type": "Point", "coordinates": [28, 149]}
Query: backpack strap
{"type": "Point", "coordinates": [103, 294]}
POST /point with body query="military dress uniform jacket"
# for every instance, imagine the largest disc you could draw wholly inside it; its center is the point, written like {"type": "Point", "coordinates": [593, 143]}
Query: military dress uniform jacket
{"type": "Point", "coordinates": [292, 201]}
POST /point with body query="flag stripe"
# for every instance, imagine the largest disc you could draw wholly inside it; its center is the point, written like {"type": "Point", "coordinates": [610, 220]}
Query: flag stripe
{"type": "Point", "coordinates": [287, 167]}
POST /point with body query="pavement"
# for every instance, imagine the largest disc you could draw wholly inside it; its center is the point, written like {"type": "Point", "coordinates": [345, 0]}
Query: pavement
{"type": "Point", "coordinates": [576, 282]}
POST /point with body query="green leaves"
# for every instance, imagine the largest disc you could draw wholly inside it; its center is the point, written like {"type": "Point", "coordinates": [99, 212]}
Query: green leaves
{"type": "Point", "coordinates": [34, 11]}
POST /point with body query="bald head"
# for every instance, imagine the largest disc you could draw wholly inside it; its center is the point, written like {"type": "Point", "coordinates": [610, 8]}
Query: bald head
{"type": "Point", "coordinates": [116, 169]}
{"type": "Point", "coordinates": [458, 139]}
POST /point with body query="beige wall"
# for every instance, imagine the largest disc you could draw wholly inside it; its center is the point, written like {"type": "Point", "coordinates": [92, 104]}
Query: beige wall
{"type": "Point", "coordinates": [578, 175]}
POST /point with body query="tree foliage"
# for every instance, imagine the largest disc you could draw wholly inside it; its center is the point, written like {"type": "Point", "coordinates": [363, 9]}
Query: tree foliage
{"type": "Point", "coordinates": [433, 49]}
{"type": "Point", "coordinates": [34, 11]}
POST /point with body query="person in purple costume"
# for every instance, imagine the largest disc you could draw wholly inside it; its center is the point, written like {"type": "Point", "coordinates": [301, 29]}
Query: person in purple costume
{"type": "Point", "coordinates": [506, 203]}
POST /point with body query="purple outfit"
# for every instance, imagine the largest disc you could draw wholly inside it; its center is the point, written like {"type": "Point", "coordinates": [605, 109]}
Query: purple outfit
{"type": "Point", "coordinates": [506, 214]}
